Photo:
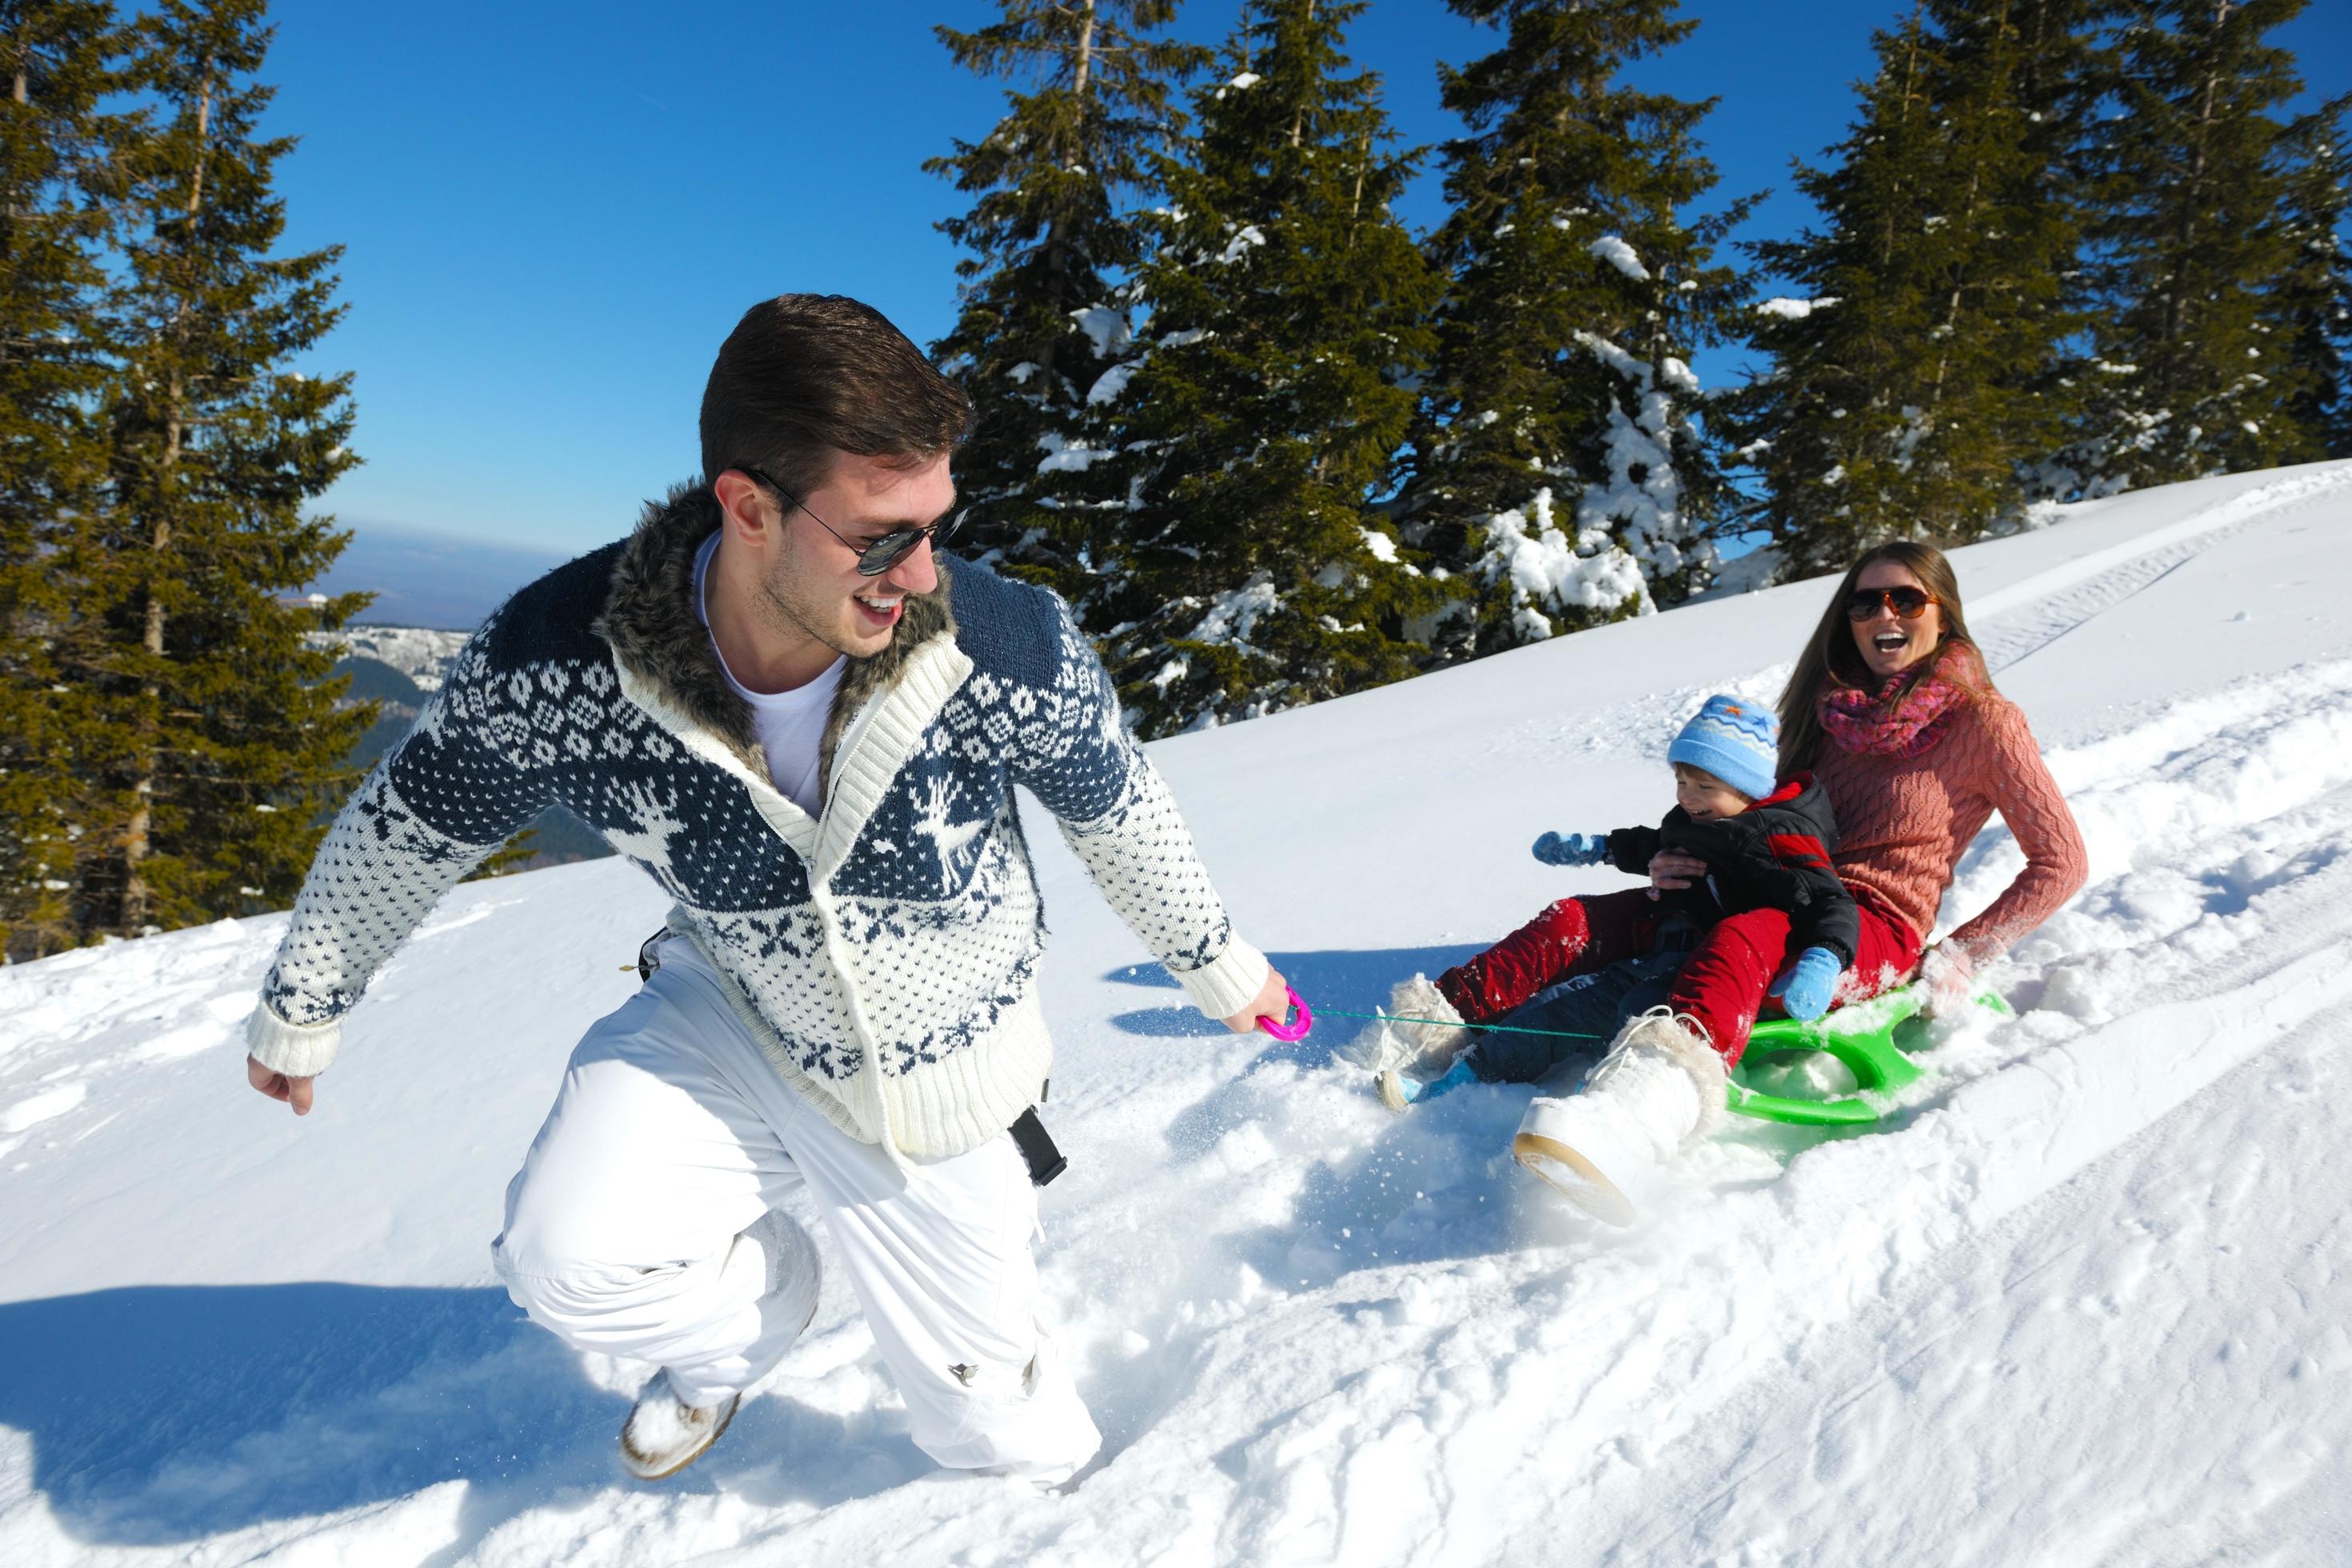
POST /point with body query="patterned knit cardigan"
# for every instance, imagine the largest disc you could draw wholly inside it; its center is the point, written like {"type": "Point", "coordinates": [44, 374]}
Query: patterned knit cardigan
{"type": "Point", "coordinates": [883, 952]}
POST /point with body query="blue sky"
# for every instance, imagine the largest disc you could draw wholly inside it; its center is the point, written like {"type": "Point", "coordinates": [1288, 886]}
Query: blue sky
{"type": "Point", "coordinates": [553, 214]}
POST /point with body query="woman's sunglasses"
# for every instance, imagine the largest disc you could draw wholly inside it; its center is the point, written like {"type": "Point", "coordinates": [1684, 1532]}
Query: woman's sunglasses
{"type": "Point", "coordinates": [1864, 603]}
{"type": "Point", "coordinates": [885, 552]}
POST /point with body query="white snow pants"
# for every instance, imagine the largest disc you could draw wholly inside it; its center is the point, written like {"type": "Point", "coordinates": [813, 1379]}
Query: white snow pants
{"type": "Point", "coordinates": [673, 1134]}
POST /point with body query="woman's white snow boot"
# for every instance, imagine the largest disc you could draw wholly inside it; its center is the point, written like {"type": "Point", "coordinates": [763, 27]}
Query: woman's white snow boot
{"type": "Point", "coordinates": [1418, 1037]}
{"type": "Point", "coordinates": [1660, 1088]}
{"type": "Point", "coordinates": [664, 1434]}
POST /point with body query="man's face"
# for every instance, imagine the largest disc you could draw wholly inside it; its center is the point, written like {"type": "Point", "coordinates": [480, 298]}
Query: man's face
{"type": "Point", "coordinates": [812, 585]}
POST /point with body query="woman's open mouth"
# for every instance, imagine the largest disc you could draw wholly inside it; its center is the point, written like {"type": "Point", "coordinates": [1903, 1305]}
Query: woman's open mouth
{"type": "Point", "coordinates": [1890, 642]}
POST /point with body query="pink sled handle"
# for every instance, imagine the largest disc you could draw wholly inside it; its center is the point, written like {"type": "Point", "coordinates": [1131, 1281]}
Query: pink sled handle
{"type": "Point", "coordinates": [1287, 1032]}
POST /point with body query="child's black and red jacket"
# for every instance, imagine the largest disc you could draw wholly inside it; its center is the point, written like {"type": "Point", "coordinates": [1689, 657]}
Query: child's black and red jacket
{"type": "Point", "coordinates": [1775, 855]}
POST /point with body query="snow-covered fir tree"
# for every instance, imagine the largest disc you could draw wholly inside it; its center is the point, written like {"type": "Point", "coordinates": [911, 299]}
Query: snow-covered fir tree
{"type": "Point", "coordinates": [2197, 228]}
{"type": "Point", "coordinates": [1287, 307]}
{"type": "Point", "coordinates": [1559, 468]}
{"type": "Point", "coordinates": [223, 742]}
{"type": "Point", "coordinates": [1043, 333]}
{"type": "Point", "coordinates": [1921, 349]}
{"type": "Point", "coordinates": [59, 58]}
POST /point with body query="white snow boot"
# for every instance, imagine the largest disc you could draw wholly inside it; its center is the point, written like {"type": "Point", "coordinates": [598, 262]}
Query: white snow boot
{"type": "Point", "coordinates": [1418, 1038]}
{"type": "Point", "coordinates": [664, 1434]}
{"type": "Point", "coordinates": [1660, 1088]}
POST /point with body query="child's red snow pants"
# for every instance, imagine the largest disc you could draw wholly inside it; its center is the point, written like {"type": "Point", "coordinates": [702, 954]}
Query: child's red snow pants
{"type": "Point", "coordinates": [1722, 985]}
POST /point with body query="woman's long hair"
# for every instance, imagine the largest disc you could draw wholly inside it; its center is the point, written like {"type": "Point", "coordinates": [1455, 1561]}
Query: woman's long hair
{"type": "Point", "coordinates": [1831, 660]}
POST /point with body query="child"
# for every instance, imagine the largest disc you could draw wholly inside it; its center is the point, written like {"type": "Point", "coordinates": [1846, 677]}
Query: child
{"type": "Point", "coordinates": [1588, 971]}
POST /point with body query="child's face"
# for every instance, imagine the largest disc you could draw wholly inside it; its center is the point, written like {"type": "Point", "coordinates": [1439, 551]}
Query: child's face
{"type": "Point", "coordinates": [1704, 797]}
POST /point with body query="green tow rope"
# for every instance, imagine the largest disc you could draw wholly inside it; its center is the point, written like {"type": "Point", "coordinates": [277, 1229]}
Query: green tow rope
{"type": "Point", "coordinates": [1458, 1023]}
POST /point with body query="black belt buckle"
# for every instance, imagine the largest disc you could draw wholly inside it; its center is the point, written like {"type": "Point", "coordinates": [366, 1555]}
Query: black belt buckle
{"type": "Point", "coordinates": [1036, 1146]}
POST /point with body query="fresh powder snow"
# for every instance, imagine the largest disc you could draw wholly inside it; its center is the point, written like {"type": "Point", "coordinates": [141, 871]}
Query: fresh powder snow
{"type": "Point", "coordinates": [2081, 1298]}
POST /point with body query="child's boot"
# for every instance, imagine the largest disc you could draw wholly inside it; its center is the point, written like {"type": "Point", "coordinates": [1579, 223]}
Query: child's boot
{"type": "Point", "coordinates": [1417, 1039]}
{"type": "Point", "coordinates": [1660, 1088]}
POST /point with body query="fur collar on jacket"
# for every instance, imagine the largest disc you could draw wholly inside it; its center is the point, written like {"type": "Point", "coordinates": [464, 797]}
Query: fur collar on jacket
{"type": "Point", "coordinates": [649, 618]}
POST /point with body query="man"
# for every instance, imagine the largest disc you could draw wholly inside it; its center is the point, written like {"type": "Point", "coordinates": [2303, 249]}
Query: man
{"type": "Point", "coordinates": [805, 725]}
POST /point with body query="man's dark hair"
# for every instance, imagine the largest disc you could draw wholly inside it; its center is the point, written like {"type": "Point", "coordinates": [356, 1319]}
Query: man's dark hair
{"type": "Point", "coordinates": [804, 375]}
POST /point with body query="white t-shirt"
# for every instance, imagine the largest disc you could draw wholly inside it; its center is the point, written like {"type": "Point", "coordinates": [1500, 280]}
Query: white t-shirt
{"type": "Point", "coordinates": [789, 724]}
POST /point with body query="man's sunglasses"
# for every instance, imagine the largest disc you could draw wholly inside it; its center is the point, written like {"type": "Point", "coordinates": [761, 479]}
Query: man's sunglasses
{"type": "Point", "coordinates": [885, 552]}
{"type": "Point", "coordinates": [1864, 603]}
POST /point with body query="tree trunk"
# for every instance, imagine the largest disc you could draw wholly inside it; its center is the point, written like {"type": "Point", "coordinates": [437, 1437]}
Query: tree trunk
{"type": "Point", "coordinates": [2176, 298]}
{"type": "Point", "coordinates": [1910, 75]}
{"type": "Point", "coordinates": [20, 92]}
{"type": "Point", "coordinates": [1057, 249]}
{"type": "Point", "coordinates": [138, 898]}
{"type": "Point", "coordinates": [1298, 120]}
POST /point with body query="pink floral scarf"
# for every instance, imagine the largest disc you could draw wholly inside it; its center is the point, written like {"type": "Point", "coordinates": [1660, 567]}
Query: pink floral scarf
{"type": "Point", "coordinates": [1891, 721]}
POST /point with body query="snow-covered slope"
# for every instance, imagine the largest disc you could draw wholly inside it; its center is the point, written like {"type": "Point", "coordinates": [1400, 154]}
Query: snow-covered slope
{"type": "Point", "coordinates": [2084, 1299]}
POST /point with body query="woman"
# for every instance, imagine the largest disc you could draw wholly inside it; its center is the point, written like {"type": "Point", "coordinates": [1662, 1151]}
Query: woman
{"type": "Point", "coordinates": [1891, 710]}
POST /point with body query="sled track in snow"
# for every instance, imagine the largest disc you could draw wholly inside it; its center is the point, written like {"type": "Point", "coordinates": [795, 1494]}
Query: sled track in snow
{"type": "Point", "coordinates": [2013, 623]}
{"type": "Point", "coordinates": [2015, 637]}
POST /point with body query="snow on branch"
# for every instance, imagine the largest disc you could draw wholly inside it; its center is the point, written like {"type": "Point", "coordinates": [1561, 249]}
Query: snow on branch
{"type": "Point", "coordinates": [1111, 382]}
{"type": "Point", "coordinates": [1548, 574]}
{"type": "Point", "coordinates": [1068, 456]}
{"type": "Point", "coordinates": [1105, 328]}
{"type": "Point", "coordinates": [1613, 250]}
{"type": "Point", "coordinates": [1234, 616]}
{"type": "Point", "coordinates": [1789, 310]}
{"type": "Point", "coordinates": [1241, 245]}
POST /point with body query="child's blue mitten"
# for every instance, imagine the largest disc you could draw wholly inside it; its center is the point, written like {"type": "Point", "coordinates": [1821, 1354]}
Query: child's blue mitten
{"type": "Point", "coordinates": [1806, 986]}
{"type": "Point", "coordinates": [1576, 850]}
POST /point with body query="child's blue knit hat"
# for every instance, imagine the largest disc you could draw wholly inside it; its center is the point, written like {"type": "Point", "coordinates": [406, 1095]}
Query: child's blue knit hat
{"type": "Point", "coordinates": [1736, 742]}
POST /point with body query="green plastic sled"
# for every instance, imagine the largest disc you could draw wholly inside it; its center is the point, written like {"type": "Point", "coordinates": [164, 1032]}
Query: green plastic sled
{"type": "Point", "coordinates": [1862, 1035]}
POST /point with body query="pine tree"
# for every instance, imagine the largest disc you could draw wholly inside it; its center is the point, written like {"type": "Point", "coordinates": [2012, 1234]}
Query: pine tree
{"type": "Point", "coordinates": [59, 59]}
{"type": "Point", "coordinates": [1043, 329]}
{"type": "Point", "coordinates": [2313, 302]}
{"type": "Point", "coordinates": [1924, 367]}
{"type": "Point", "coordinates": [1288, 306]}
{"type": "Point", "coordinates": [226, 742]}
{"type": "Point", "coordinates": [1559, 464]}
{"type": "Point", "coordinates": [2198, 223]}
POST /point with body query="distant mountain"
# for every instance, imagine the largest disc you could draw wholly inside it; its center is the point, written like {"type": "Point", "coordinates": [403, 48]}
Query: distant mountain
{"type": "Point", "coordinates": [419, 655]}
{"type": "Point", "coordinates": [421, 578]}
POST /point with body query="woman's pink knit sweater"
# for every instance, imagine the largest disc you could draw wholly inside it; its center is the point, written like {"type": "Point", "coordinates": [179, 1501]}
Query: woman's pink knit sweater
{"type": "Point", "coordinates": [1904, 822]}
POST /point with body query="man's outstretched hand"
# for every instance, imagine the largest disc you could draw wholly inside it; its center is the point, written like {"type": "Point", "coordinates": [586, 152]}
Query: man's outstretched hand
{"type": "Point", "coordinates": [294, 1092]}
{"type": "Point", "coordinates": [1273, 1002]}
